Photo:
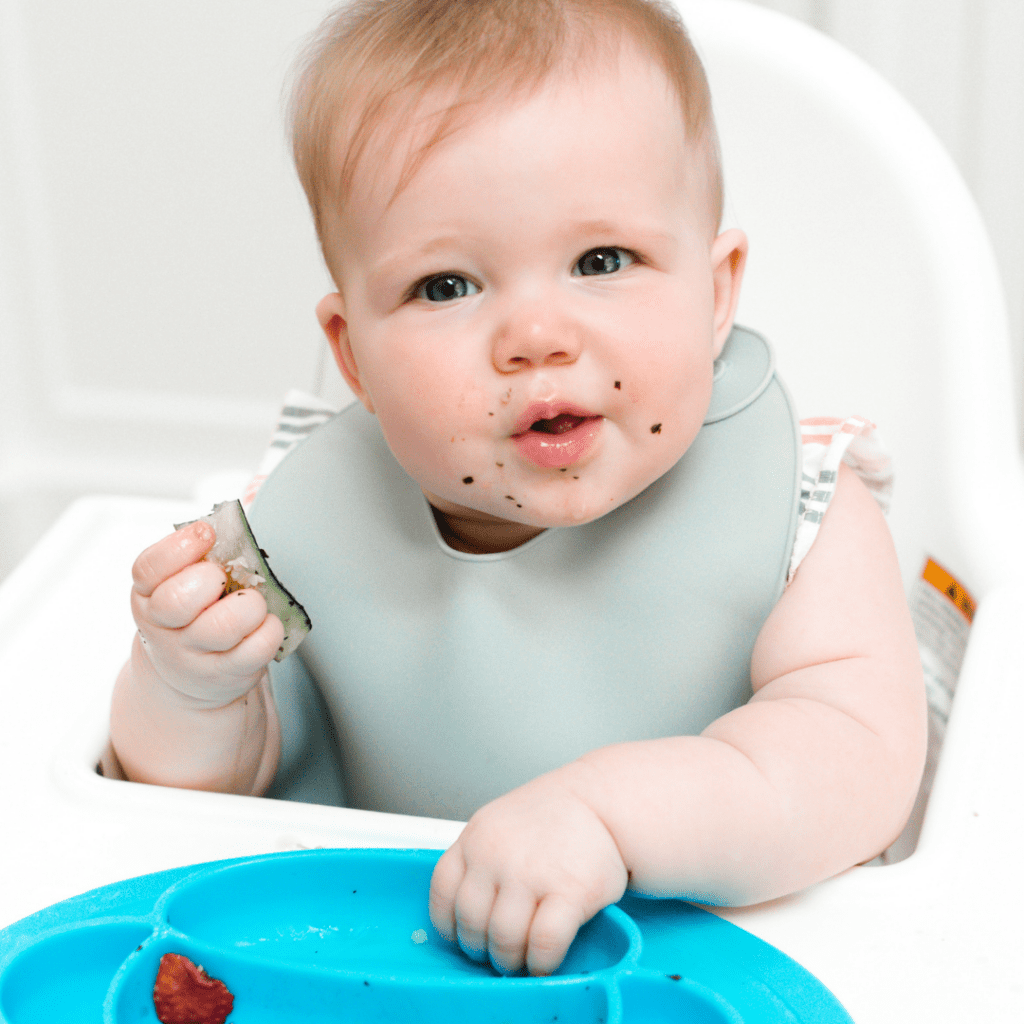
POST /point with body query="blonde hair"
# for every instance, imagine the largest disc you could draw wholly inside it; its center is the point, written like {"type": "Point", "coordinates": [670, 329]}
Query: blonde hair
{"type": "Point", "coordinates": [371, 62]}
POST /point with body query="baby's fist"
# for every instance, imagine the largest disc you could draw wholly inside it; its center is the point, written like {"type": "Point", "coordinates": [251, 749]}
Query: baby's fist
{"type": "Point", "coordinates": [205, 648]}
{"type": "Point", "coordinates": [528, 870]}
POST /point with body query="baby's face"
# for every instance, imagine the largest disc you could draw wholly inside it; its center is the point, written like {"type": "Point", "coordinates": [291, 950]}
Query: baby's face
{"type": "Point", "coordinates": [534, 318]}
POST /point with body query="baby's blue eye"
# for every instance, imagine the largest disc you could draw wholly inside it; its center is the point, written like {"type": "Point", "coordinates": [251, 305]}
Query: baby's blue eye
{"type": "Point", "coordinates": [445, 287]}
{"type": "Point", "coordinates": [605, 260]}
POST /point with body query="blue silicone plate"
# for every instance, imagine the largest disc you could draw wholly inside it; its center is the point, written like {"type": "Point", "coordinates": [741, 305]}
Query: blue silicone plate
{"type": "Point", "coordinates": [338, 935]}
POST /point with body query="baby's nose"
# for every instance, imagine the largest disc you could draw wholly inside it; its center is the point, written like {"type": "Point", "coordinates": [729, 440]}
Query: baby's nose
{"type": "Point", "coordinates": [535, 340]}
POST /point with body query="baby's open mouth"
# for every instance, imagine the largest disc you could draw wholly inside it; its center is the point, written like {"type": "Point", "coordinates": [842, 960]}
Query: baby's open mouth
{"type": "Point", "coordinates": [559, 424]}
{"type": "Point", "coordinates": [556, 442]}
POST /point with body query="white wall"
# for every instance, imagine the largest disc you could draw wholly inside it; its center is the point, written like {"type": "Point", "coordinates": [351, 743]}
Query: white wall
{"type": "Point", "coordinates": [157, 266]}
{"type": "Point", "coordinates": [959, 63]}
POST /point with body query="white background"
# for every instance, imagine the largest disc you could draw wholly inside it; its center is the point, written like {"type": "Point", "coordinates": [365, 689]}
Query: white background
{"type": "Point", "coordinates": [157, 267]}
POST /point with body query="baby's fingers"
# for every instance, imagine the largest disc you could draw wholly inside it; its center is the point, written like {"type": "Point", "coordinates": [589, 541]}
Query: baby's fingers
{"type": "Point", "coordinates": [254, 652]}
{"type": "Point", "coordinates": [444, 884]}
{"type": "Point", "coordinates": [166, 557]}
{"type": "Point", "coordinates": [509, 928]}
{"type": "Point", "coordinates": [553, 928]}
{"type": "Point", "coordinates": [473, 905]}
{"type": "Point", "coordinates": [179, 600]}
{"type": "Point", "coordinates": [227, 622]}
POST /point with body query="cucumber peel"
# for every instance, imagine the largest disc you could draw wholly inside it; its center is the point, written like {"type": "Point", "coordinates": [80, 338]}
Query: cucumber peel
{"type": "Point", "coordinates": [245, 564]}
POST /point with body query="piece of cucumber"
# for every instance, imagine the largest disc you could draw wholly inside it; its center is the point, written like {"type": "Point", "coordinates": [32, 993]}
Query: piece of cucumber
{"type": "Point", "coordinates": [245, 564]}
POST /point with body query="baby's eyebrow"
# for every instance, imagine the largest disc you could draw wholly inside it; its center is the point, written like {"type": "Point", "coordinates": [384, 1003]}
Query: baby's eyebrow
{"type": "Point", "coordinates": [593, 227]}
{"type": "Point", "coordinates": [615, 231]}
{"type": "Point", "coordinates": [395, 261]}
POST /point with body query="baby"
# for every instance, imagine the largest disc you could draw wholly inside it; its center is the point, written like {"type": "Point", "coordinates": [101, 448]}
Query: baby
{"type": "Point", "coordinates": [548, 576]}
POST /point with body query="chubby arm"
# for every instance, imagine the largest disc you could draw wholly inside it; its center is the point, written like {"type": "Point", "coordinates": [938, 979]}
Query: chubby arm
{"type": "Point", "coordinates": [817, 772]}
{"type": "Point", "coordinates": [192, 707]}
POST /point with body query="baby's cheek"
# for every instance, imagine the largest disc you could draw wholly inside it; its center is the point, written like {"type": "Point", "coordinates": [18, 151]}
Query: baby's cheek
{"type": "Point", "coordinates": [659, 435]}
{"type": "Point", "coordinates": [678, 401]}
{"type": "Point", "coordinates": [436, 446]}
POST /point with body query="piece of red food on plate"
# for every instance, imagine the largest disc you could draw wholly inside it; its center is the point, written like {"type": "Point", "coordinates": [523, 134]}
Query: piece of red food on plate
{"type": "Point", "coordinates": [186, 994]}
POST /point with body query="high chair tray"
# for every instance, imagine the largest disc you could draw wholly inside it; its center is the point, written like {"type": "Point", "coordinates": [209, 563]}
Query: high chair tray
{"type": "Point", "coordinates": [343, 935]}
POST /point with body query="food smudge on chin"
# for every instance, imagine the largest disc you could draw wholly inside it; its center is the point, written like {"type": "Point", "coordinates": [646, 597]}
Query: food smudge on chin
{"type": "Point", "coordinates": [467, 479]}
{"type": "Point", "coordinates": [656, 429]}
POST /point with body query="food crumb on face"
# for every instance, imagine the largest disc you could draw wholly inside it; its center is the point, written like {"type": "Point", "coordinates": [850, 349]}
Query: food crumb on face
{"type": "Point", "coordinates": [656, 429]}
{"type": "Point", "coordinates": [500, 465]}
{"type": "Point", "coordinates": [618, 385]}
{"type": "Point", "coordinates": [467, 479]}
{"type": "Point", "coordinates": [510, 498]}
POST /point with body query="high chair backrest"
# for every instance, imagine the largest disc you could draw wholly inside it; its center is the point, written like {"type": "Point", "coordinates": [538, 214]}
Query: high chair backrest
{"type": "Point", "coordinates": [872, 274]}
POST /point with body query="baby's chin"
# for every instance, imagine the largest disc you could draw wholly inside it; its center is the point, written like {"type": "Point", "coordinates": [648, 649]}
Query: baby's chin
{"type": "Point", "coordinates": [567, 510]}
{"type": "Point", "coordinates": [537, 515]}
{"type": "Point", "coordinates": [573, 499]}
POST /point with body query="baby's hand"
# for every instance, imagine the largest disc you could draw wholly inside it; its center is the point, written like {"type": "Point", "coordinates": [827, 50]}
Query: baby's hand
{"type": "Point", "coordinates": [528, 870]}
{"type": "Point", "coordinates": [205, 648]}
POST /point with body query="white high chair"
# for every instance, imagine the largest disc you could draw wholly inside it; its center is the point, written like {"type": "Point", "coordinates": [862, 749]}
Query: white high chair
{"type": "Point", "coordinates": [872, 274]}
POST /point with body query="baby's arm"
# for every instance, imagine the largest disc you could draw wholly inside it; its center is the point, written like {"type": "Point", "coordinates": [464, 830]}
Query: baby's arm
{"type": "Point", "coordinates": [817, 772]}
{"type": "Point", "coordinates": [192, 707]}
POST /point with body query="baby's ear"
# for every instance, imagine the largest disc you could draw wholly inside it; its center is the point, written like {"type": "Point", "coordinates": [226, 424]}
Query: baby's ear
{"type": "Point", "coordinates": [728, 260]}
{"type": "Point", "coordinates": [330, 311]}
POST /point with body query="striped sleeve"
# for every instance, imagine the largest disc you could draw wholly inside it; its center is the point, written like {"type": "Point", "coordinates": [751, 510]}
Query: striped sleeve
{"type": "Point", "coordinates": [827, 442]}
{"type": "Point", "coordinates": [300, 415]}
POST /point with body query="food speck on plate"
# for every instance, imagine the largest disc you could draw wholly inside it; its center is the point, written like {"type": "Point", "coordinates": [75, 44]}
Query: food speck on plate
{"type": "Point", "coordinates": [185, 994]}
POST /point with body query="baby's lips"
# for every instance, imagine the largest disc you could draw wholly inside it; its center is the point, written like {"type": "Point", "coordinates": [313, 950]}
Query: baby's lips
{"type": "Point", "coordinates": [559, 450]}
{"type": "Point", "coordinates": [548, 411]}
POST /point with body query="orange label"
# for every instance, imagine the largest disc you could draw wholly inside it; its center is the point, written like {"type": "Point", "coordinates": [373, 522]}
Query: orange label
{"type": "Point", "coordinates": [950, 586]}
